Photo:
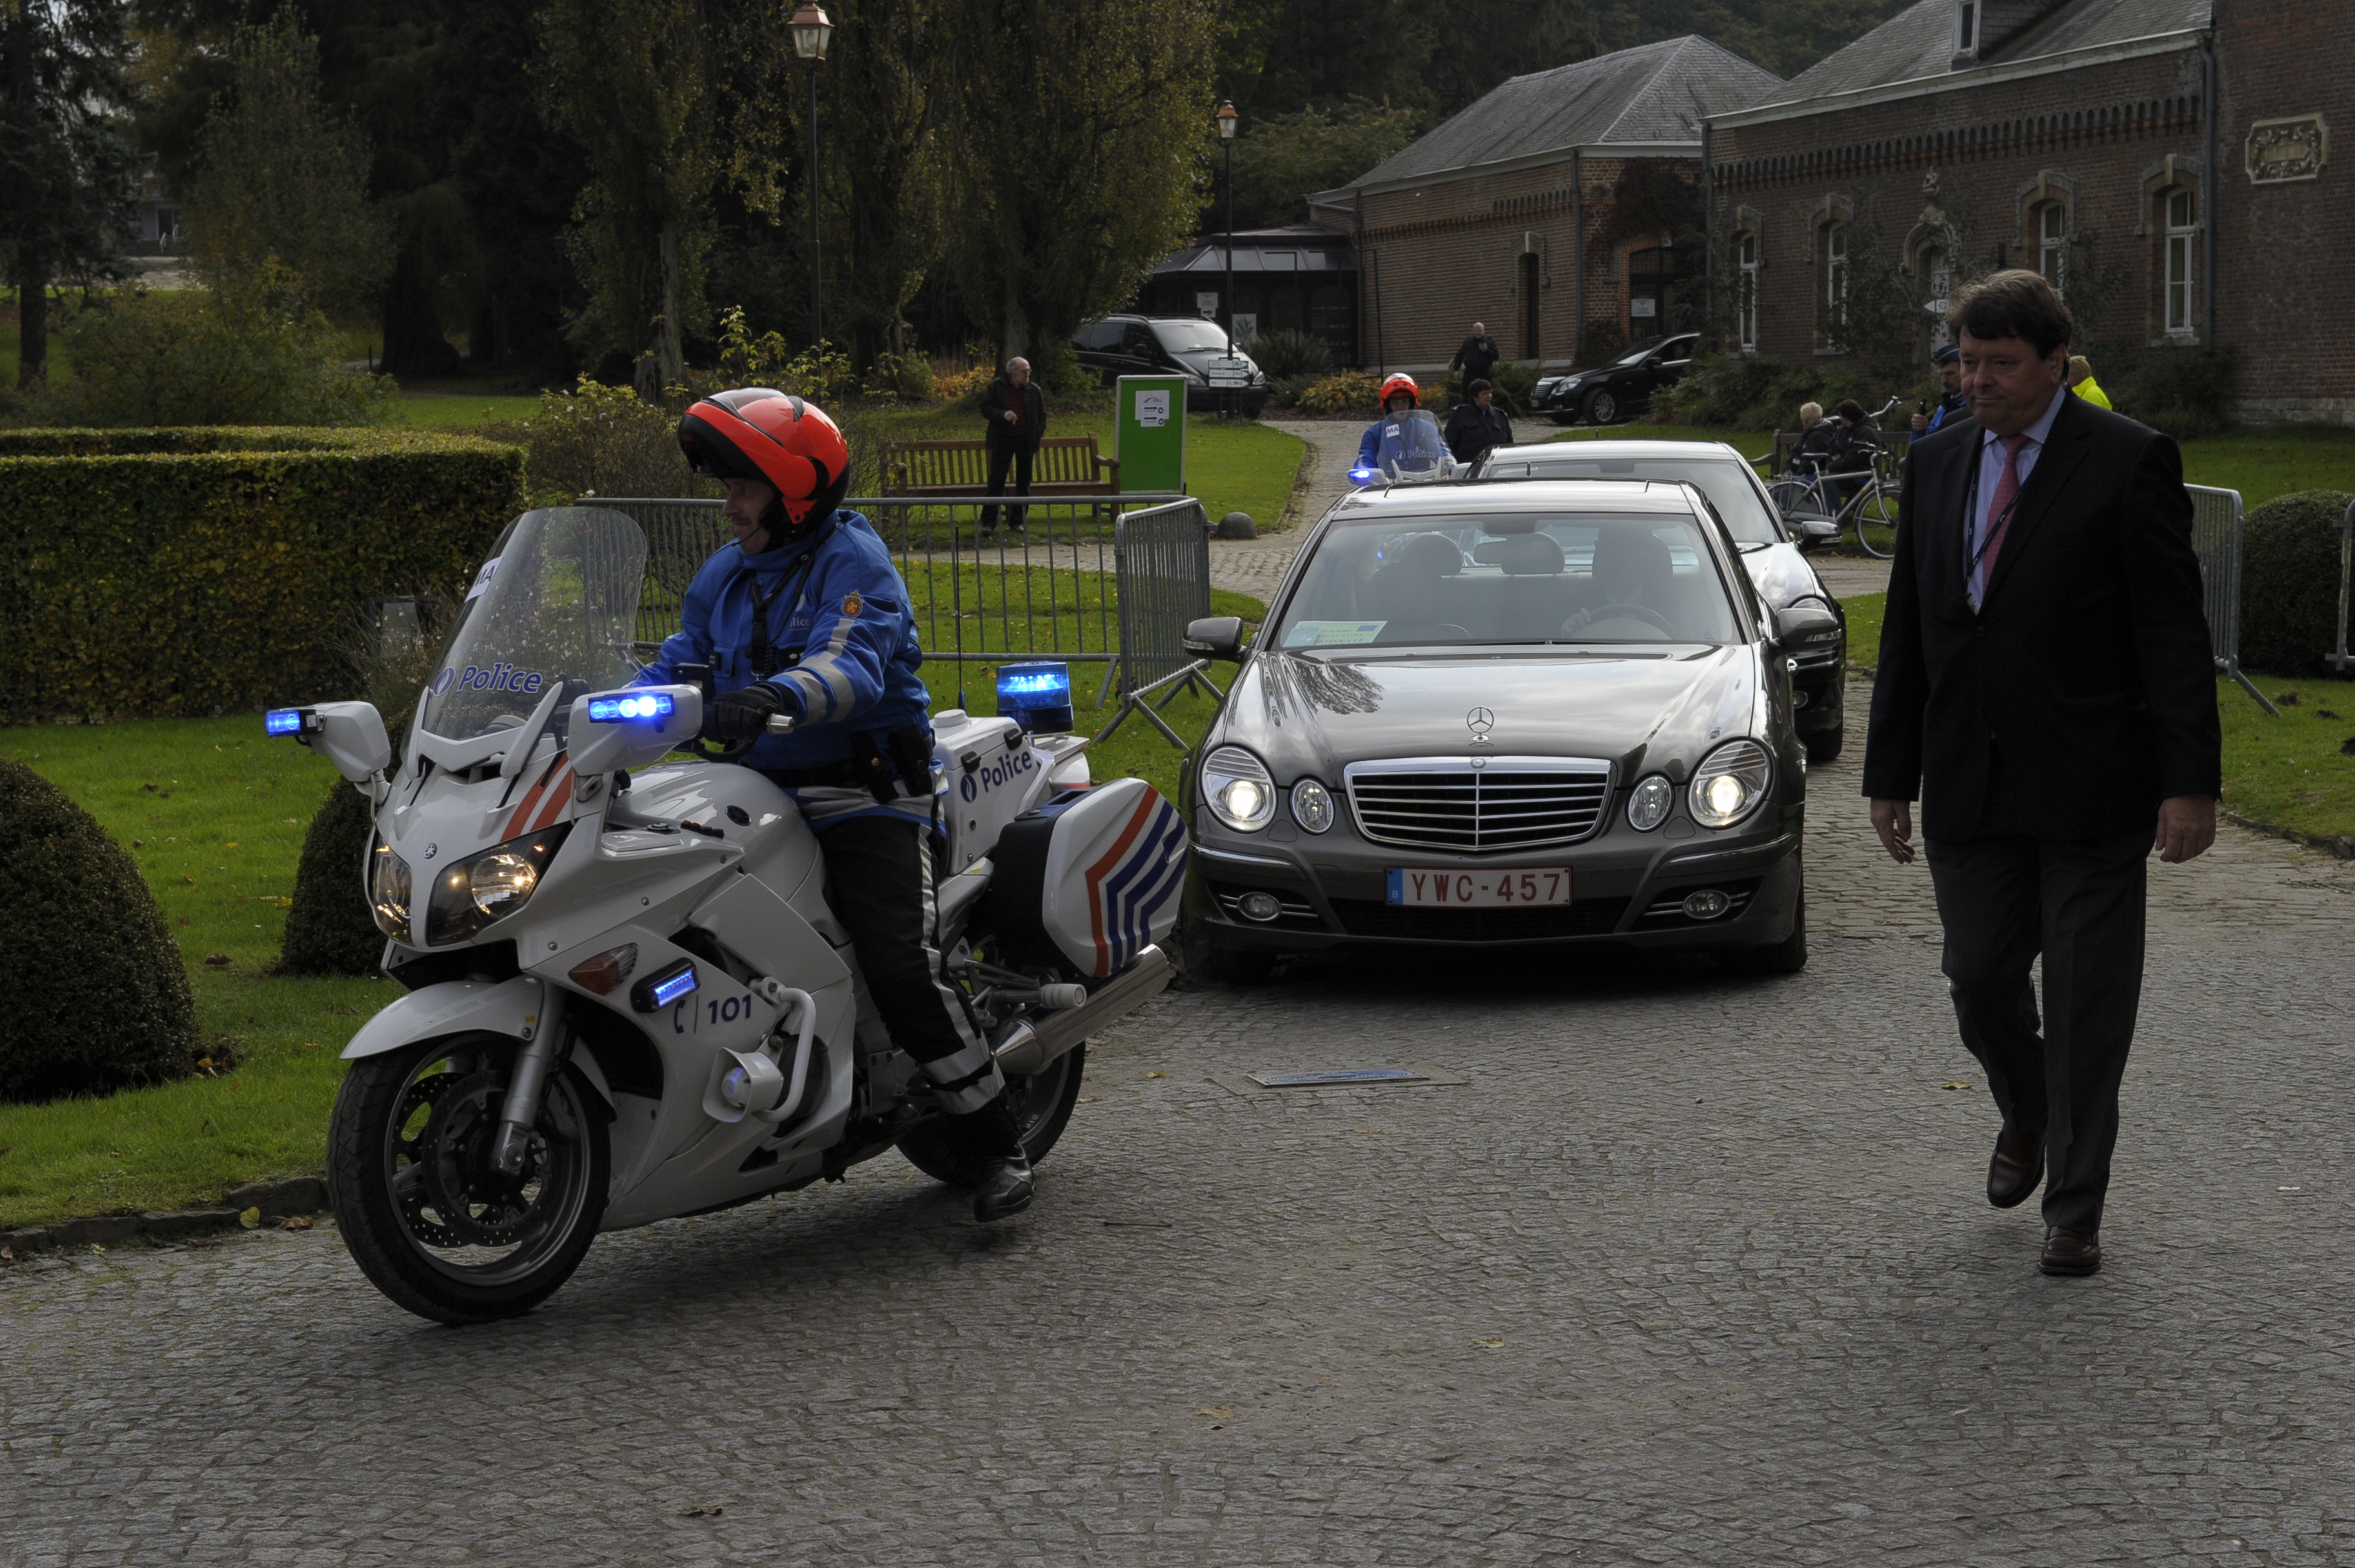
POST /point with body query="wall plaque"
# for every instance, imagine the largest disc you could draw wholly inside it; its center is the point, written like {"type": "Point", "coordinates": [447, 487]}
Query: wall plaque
{"type": "Point", "coordinates": [2283, 151]}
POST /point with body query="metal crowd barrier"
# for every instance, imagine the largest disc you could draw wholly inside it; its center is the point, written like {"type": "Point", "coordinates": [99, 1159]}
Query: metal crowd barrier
{"type": "Point", "coordinates": [2341, 660]}
{"type": "Point", "coordinates": [2216, 535]}
{"type": "Point", "coordinates": [1162, 560]}
{"type": "Point", "coordinates": [1057, 588]}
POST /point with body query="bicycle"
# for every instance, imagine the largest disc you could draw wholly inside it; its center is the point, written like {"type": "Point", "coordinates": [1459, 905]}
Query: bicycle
{"type": "Point", "coordinates": [1874, 505]}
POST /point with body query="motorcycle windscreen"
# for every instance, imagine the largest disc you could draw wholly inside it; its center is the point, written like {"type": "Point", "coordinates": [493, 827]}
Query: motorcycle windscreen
{"type": "Point", "coordinates": [556, 601]}
{"type": "Point", "coordinates": [1411, 441]}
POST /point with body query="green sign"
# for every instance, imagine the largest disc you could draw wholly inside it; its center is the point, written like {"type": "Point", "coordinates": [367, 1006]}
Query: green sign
{"type": "Point", "coordinates": [1149, 432]}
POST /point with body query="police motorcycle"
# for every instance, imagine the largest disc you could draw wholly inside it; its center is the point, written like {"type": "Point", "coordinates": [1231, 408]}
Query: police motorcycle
{"type": "Point", "coordinates": [626, 999]}
{"type": "Point", "coordinates": [1409, 450]}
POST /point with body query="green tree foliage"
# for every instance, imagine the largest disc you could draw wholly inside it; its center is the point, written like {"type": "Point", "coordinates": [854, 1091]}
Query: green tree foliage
{"type": "Point", "coordinates": [1078, 150]}
{"type": "Point", "coordinates": [110, 1008]}
{"type": "Point", "coordinates": [1786, 37]}
{"type": "Point", "coordinates": [251, 352]}
{"type": "Point", "coordinates": [65, 167]}
{"type": "Point", "coordinates": [280, 178]}
{"type": "Point", "coordinates": [630, 81]}
{"type": "Point", "coordinates": [1433, 57]}
{"type": "Point", "coordinates": [1281, 159]}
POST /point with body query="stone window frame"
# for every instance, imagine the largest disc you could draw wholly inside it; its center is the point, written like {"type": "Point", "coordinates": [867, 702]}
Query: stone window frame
{"type": "Point", "coordinates": [2173, 176]}
{"type": "Point", "coordinates": [1834, 212]}
{"type": "Point", "coordinates": [2049, 190]}
{"type": "Point", "coordinates": [1749, 278]}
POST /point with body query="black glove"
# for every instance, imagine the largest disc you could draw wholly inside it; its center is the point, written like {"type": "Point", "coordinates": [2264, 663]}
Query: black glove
{"type": "Point", "coordinates": [744, 714]}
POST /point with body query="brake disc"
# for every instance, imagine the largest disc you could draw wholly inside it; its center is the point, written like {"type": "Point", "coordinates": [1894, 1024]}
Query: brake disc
{"type": "Point", "coordinates": [479, 1205]}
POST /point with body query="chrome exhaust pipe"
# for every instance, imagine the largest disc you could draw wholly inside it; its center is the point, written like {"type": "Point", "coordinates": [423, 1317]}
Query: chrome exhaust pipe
{"type": "Point", "coordinates": [1034, 1047]}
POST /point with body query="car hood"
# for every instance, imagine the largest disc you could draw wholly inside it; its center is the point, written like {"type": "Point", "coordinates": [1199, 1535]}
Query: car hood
{"type": "Point", "coordinates": [1315, 714]}
{"type": "Point", "coordinates": [1782, 575]}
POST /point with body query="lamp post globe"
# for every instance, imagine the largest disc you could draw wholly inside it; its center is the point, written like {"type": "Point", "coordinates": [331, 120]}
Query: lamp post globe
{"type": "Point", "coordinates": [811, 30]}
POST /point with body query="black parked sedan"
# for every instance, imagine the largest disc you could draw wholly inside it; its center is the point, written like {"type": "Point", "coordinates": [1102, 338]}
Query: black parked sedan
{"type": "Point", "coordinates": [1770, 548]}
{"type": "Point", "coordinates": [1619, 389]}
{"type": "Point", "coordinates": [1536, 712]}
{"type": "Point", "coordinates": [1216, 371]}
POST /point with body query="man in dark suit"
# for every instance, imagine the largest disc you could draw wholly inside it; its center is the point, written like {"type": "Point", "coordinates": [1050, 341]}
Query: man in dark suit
{"type": "Point", "coordinates": [1016, 420]}
{"type": "Point", "coordinates": [2046, 688]}
{"type": "Point", "coordinates": [1477, 355]}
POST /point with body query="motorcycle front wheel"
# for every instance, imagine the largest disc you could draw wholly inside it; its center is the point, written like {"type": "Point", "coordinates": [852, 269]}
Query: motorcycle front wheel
{"type": "Point", "coordinates": [1042, 1109]}
{"type": "Point", "coordinates": [427, 1216]}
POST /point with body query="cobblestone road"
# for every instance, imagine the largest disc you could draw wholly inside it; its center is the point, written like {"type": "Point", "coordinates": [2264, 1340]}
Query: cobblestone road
{"type": "Point", "coordinates": [1690, 1271]}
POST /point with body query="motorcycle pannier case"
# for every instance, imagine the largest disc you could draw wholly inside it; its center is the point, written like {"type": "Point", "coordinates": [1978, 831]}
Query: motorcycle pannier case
{"type": "Point", "coordinates": [1087, 880]}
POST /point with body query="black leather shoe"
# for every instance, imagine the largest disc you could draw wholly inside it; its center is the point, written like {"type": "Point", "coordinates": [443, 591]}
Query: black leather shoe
{"type": "Point", "coordinates": [1005, 1188]}
{"type": "Point", "coordinates": [2066, 1252]}
{"type": "Point", "coordinates": [2015, 1169]}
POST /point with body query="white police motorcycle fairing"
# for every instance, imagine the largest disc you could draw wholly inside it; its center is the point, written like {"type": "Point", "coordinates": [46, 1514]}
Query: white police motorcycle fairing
{"type": "Point", "coordinates": [1409, 450]}
{"type": "Point", "coordinates": [627, 998]}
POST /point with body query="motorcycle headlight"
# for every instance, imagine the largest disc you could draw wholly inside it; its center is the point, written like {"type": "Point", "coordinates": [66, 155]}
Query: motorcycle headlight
{"type": "Point", "coordinates": [1730, 784]}
{"type": "Point", "coordinates": [387, 887]}
{"type": "Point", "coordinates": [1312, 805]}
{"type": "Point", "coordinates": [1649, 803]}
{"type": "Point", "coordinates": [1238, 790]}
{"type": "Point", "coordinates": [470, 894]}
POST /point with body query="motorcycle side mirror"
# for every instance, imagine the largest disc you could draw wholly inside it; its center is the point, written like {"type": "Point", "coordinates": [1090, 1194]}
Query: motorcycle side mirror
{"type": "Point", "coordinates": [1804, 625]}
{"type": "Point", "coordinates": [348, 734]}
{"type": "Point", "coordinates": [614, 730]}
{"type": "Point", "coordinates": [1215, 637]}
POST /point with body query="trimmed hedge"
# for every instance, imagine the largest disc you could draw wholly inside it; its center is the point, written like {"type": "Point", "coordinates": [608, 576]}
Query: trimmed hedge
{"type": "Point", "coordinates": [185, 571]}
{"type": "Point", "coordinates": [2289, 582]}
{"type": "Point", "coordinates": [330, 929]}
{"type": "Point", "coordinates": [99, 1002]}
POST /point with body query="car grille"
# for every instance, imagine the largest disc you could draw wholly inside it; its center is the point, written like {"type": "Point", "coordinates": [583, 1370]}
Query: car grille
{"type": "Point", "coordinates": [1587, 917]}
{"type": "Point", "coordinates": [1479, 805]}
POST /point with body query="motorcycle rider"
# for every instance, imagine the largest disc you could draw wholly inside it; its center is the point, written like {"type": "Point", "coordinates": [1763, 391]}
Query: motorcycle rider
{"type": "Point", "coordinates": [803, 615]}
{"type": "Point", "coordinates": [1398, 395]}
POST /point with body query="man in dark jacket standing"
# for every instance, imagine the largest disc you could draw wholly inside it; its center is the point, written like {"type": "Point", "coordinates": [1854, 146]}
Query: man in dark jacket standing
{"type": "Point", "coordinates": [1477, 357]}
{"type": "Point", "coordinates": [1017, 416]}
{"type": "Point", "coordinates": [1477, 425]}
{"type": "Point", "coordinates": [2046, 688]}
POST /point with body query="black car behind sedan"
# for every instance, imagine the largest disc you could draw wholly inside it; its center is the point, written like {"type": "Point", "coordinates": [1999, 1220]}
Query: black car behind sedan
{"type": "Point", "coordinates": [1219, 375]}
{"type": "Point", "coordinates": [1620, 390]}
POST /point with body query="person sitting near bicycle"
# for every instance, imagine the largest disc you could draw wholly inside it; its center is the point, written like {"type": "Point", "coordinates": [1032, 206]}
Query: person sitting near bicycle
{"type": "Point", "coordinates": [1856, 444]}
{"type": "Point", "coordinates": [1819, 442]}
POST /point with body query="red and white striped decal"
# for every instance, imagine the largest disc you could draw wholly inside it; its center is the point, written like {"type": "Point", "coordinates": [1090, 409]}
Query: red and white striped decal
{"type": "Point", "coordinates": [521, 822]}
{"type": "Point", "coordinates": [1105, 867]}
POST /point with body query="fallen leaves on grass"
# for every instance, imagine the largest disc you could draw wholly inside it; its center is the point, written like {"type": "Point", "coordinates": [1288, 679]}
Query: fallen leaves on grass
{"type": "Point", "coordinates": [308, 1045]}
{"type": "Point", "coordinates": [217, 960]}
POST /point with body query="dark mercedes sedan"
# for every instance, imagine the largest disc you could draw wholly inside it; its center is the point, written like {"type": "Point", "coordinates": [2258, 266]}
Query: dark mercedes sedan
{"type": "Point", "coordinates": [1771, 549]}
{"type": "Point", "coordinates": [1541, 712]}
{"type": "Point", "coordinates": [1623, 388]}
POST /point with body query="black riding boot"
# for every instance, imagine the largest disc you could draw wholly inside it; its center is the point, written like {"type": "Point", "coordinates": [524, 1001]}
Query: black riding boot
{"type": "Point", "coordinates": [1006, 1184]}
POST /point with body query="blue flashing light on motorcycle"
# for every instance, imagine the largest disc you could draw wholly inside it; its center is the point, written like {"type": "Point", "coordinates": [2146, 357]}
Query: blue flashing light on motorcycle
{"type": "Point", "coordinates": [284, 722]}
{"type": "Point", "coordinates": [1362, 476]}
{"type": "Point", "coordinates": [1037, 696]}
{"type": "Point", "coordinates": [648, 705]}
{"type": "Point", "coordinates": [663, 987]}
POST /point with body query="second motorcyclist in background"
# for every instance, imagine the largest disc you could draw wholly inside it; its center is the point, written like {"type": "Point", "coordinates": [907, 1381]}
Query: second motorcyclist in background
{"type": "Point", "coordinates": [803, 615]}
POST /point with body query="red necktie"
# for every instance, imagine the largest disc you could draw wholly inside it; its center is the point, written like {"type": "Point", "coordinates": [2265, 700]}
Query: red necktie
{"type": "Point", "coordinates": [2000, 508]}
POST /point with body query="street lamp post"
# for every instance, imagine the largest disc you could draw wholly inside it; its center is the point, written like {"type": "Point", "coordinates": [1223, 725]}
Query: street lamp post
{"type": "Point", "coordinates": [1227, 118]}
{"type": "Point", "coordinates": [811, 30]}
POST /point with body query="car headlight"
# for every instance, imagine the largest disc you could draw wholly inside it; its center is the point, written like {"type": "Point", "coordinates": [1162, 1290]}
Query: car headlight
{"type": "Point", "coordinates": [1237, 786]}
{"type": "Point", "coordinates": [471, 893]}
{"type": "Point", "coordinates": [1312, 805]}
{"type": "Point", "coordinates": [1649, 803]}
{"type": "Point", "coordinates": [1730, 784]}
{"type": "Point", "coordinates": [387, 887]}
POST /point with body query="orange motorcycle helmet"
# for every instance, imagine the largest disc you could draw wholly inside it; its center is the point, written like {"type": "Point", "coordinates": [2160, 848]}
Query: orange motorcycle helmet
{"type": "Point", "coordinates": [784, 441]}
{"type": "Point", "coordinates": [1402, 382]}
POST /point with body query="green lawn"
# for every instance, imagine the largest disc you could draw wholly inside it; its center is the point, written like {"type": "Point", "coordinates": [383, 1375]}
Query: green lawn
{"type": "Point", "coordinates": [462, 412]}
{"type": "Point", "coordinates": [2296, 771]}
{"type": "Point", "coordinates": [217, 835]}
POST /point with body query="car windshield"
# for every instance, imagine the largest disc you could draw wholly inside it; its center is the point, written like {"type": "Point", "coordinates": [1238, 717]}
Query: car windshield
{"type": "Point", "coordinates": [1190, 337]}
{"type": "Point", "coordinates": [1722, 480]}
{"type": "Point", "coordinates": [1510, 578]}
{"type": "Point", "coordinates": [1638, 354]}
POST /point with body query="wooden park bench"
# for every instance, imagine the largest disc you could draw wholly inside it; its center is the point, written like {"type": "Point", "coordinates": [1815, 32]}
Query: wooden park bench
{"type": "Point", "coordinates": [1065, 465]}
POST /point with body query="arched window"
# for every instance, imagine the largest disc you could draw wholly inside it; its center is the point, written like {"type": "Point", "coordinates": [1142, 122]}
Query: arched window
{"type": "Point", "coordinates": [1835, 276]}
{"type": "Point", "coordinates": [1746, 291]}
{"type": "Point", "coordinates": [2181, 227]}
{"type": "Point", "coordinates": [2053, 245]}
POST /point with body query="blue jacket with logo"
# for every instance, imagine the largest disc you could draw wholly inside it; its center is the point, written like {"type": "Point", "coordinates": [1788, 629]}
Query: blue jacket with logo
{"type": "Point", "coordinates": [849, 619]}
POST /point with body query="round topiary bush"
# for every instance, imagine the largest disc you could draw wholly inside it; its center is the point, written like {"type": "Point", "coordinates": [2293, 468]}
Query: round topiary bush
{"type": "Point", "coordinates": [330, 930]}
{"type": "Point", "coordinates": [100, 1001]}
{"type": "Point", "coordinates": [2289, 582]}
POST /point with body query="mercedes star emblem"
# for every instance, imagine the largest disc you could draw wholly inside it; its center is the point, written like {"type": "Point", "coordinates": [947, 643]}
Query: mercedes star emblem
{"type": "Point", "coordinates": [1481, 720]}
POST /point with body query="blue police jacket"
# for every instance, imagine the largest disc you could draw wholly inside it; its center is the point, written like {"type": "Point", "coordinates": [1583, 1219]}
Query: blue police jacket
{"type": "Point", "coordinates": [849, 619]}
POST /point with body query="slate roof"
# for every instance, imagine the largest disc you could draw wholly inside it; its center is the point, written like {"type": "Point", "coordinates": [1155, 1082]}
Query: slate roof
{"type": "Point", "coordinates": [1652, 93]}
{"type": "Point", "coordinates": [1919, 43]}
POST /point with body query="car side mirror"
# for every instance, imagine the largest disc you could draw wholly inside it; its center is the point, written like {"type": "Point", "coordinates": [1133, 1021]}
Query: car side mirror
{"type": "Point", "coordinates": [1804, 625]}
{"type": "Point", "coordinates": [1215, 637]}
{"type": "Point", "coordinates": [1818, 530]}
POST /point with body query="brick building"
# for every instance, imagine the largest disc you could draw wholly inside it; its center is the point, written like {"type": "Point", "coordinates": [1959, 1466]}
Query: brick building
{"type": "Point", "coordinates": [2166, 169]}
{"type": "Point", "coordinates": [1558, 199]}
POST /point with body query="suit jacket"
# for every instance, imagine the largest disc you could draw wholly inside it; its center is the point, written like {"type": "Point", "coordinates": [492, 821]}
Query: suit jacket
{"type": "Point", "coordinates": [1000, 395]}
{"type": "Point", "coordinates": [2088, 664]}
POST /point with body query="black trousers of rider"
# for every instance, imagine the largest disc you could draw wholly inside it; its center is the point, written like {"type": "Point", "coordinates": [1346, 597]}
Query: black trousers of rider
{"type": "Point", "coordinates": [879, 884]}
{"type": "Point", "coordinates": [1000, 459]}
